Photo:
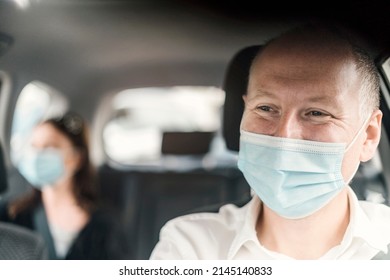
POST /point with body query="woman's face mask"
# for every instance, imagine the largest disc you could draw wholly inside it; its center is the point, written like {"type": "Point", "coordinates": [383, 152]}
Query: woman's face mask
{"type": "Point", "coordinates": [43, 167]}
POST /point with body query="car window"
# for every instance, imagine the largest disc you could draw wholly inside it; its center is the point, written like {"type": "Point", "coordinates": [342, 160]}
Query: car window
{"type": "Point", "coordinates": [134, 135]}
{"type": "Point", "coordinates": [386, 69]}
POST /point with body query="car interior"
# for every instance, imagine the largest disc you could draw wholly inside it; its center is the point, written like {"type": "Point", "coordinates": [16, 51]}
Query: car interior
{"type": "Point", "coordinates": [160, 84]}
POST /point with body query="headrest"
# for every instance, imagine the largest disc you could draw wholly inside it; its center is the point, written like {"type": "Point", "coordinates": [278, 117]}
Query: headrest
{"type": "Point", "coordinates": [3, 173]}
{"type": "Point", "coordinates": [235, 86]}
{"type": "Point", "coordinates": [186, 143]}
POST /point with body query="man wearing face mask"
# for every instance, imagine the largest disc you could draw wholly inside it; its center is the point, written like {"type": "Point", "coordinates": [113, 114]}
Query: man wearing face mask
{"type": "Point", "coordinates": [311, 116]}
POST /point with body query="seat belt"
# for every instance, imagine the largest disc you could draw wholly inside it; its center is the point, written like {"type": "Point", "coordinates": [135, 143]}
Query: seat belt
{"type": "Point", "coordinates": [40, 222]}
{"type": "Point", "coordinates": [383, 256]}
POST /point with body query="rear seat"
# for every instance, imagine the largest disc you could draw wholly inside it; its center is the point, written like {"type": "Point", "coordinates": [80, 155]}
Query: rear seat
{"type": "Point", "coordinates": [144, 200]}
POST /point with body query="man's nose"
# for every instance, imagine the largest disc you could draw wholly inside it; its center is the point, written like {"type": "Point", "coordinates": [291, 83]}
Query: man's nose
{"type": "Point", "coordinates": [289, 126]}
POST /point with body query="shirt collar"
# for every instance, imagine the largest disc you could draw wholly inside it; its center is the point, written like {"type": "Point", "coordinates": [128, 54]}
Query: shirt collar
{"type": "Point", "coordinates": [372, 231]}
{"type": "Point", "coordinates": [248, 231]}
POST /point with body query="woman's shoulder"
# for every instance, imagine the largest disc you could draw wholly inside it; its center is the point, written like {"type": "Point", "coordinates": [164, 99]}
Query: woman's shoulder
{"type": "Point", "coordinates": [23, 218]}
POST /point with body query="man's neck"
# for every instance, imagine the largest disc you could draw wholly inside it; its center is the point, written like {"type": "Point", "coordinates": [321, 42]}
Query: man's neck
{"type": "Point", "coordinates": [307, 238]}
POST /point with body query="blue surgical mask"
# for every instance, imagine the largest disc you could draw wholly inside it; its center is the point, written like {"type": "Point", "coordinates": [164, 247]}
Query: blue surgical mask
{"type": "Point", "coordinates": [293, 177]}
{"type": "Point", "coordinates": [42, 167]}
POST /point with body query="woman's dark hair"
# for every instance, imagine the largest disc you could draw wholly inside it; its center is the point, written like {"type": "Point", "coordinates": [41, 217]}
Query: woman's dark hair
{"type": "Point", "coordinates": [85, 191]}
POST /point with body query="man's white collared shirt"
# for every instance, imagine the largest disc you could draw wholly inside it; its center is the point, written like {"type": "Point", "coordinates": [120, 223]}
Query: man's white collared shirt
{"type": "Point", "coordinates": [231, 234]}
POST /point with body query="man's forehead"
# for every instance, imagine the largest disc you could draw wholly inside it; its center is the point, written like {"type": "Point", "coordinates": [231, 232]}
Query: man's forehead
{"type": "Point", "coordinates": [310, 46]}
{"type": "Point", "coordinates": [291, 66]}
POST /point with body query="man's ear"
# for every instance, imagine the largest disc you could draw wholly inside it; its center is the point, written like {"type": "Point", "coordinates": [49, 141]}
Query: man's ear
{"type": "Point", "coordinates": [373, 136]}
{"type": "Point", "coordinates": [244, 97]}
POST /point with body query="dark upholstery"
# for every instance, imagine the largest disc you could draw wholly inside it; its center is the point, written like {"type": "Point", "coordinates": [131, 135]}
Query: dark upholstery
{"type": "Point", "coordinates": [235, 86]}
{"type": "Point", "coordinates": [18, 243]}
{"type": "Point", "coordinates": [145, 201]}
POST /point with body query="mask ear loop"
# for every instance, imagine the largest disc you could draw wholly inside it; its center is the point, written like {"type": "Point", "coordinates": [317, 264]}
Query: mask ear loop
{"type": "Point", "coordinates": [363, 127]}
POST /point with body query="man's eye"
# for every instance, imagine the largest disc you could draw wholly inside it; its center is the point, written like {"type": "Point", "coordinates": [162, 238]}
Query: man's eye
{"type": "Point", "coordinates": [265, 108]}
{"type": "Point", "coordinates": [316, 114]}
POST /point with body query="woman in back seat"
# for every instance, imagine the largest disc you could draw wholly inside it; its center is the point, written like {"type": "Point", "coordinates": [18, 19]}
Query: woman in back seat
{"type": "Point", "coordinates": [63, 204]}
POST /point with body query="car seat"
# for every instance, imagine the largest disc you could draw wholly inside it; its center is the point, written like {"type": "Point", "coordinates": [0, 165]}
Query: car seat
{"type": "Point", "coordinates": [16, 242]}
